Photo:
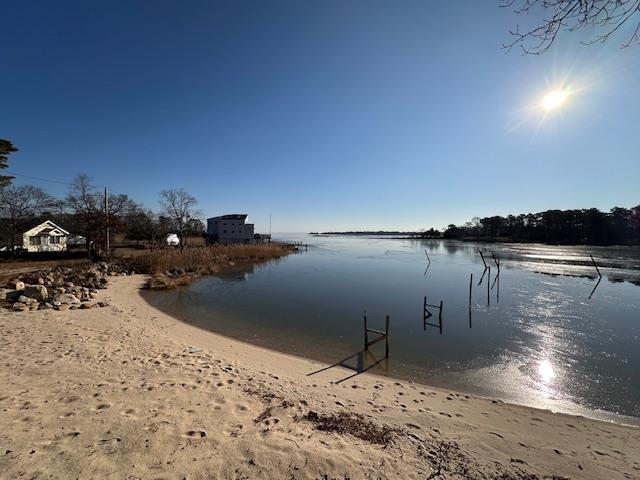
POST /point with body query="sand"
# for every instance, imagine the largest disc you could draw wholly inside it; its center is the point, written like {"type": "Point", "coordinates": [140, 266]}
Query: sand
{"type": "Point", "coordinates": [129, 392]}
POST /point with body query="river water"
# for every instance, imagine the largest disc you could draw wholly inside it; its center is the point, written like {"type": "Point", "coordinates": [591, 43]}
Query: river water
{"type": "Point", "coordinates": [532, 337]}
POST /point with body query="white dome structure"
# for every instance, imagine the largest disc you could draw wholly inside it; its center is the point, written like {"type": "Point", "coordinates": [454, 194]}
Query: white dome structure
{"type": "Point", "coordinates": [173, 240]}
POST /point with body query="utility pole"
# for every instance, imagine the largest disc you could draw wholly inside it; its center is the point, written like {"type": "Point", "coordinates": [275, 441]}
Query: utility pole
{"type": "Point", "coordinates": [106, 221]}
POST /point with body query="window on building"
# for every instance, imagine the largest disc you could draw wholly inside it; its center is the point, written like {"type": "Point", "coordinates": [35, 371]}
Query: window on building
{"type": "Point", "coordinates": [54, 240]}
{"type": "Point", "coordinates": [35, 241]}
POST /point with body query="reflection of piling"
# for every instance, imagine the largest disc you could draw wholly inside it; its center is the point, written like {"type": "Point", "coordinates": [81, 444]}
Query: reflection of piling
{"type": "Point", "coordinates": [381, 335]}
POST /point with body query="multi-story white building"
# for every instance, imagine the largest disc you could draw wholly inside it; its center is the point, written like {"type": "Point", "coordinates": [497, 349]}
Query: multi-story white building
{"type": "Point", "coordinates": [230, 229]}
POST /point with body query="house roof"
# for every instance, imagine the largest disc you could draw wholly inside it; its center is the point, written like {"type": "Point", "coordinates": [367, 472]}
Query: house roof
{"type": "Point", "coordinates": [231, 216]}
{"type": "Point", "coordinates": [51, 226]}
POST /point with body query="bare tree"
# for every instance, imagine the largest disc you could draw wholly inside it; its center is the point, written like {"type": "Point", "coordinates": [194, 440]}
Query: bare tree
{"type": "Point", "coordinates": [87, 207]}
{"type": "Point", "coordinates": [18, 204]}
{"type": "Point", "coordinates": [604, 16]}
{"type": "Point", "coordinates": [180, 208]}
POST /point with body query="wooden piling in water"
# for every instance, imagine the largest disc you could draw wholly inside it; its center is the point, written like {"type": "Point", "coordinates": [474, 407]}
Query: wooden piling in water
{"type": "Point", "coordinates": [366, 332]}
{"type": "Point", "coordinates": [595, 265]}
{"type": "Point", "coordinates": [470, 290]}
{"type": "Point", "coordinates": [382, 335]}
{"type": "Point", "coordinates": [386, 329]}
{"type": "Point", "coordinates": [482, 256]}
{"type": "Point", "coordinates": [488, 287]}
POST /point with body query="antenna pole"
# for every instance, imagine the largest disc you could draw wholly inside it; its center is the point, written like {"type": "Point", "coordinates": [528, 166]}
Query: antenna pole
{"type": "Point", "coordinates": [106, 221]}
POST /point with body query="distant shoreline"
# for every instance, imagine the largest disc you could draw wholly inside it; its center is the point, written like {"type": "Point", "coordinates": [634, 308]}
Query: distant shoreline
{"type": "Point", "coordinates": [418, 236]}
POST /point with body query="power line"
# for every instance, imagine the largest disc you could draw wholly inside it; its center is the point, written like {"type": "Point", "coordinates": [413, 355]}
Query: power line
{"type": "Point", "coordinates": [37, 178]}
{"type": "Point", "coordinates": [46, 179]}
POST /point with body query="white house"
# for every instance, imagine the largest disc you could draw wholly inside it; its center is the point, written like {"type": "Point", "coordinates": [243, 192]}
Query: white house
{"type": "Point", "coordinates": [230, 229]}
{"type": "Point", "coordinates": [46, 237]}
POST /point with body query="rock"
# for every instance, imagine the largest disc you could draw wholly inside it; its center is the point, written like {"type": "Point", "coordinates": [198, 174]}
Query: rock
{"type": "Point", "coordinates": [20, 307]}
{"type": "Point", "coordinates": [16, 285]}
{"type": "Point", "coordinates": [41, 281]}
{"type": "Point", "coordinates": [64, 306]}
{"type": "Point", "coordinates": [47, 305]}
{"type": "Point", "coordinates": [93, 294]}
{"type": "Point", "coordinates": [102, 304]}
{"type": "Point", "coordinates": [8, 294]}
{"type": "Point", "coordinates": [69, 284]}
{"type": "Point", "coordinates": [67, 299]}
{"type": "Point", "coordinates": [39, 292]}
{"type": "Point", "coordinates": [85, 306]}
{"type": "Point", "coordinates": [27, 300]}
{"type": "Point", "coordinates": [60, 290]}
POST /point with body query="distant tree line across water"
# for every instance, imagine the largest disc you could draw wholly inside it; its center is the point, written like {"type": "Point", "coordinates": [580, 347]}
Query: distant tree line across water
{"type": "Point", "coordinates": [586, 226]}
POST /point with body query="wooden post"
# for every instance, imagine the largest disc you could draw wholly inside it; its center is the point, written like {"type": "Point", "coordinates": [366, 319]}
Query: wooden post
{"type": "Point", "coordinates": [482, 256]}
{"type": "Point", "coordinates": [488, 285]}
{"type": "Point", "coordinates": [366, 332]}
{"type": "Point", "coordinates": [470, 288]}
{"type": "Point", "coordinates": [595, 265]}
{"type": "Point", "coordinates": [440, 317]}
{"type": "Point", "coordinates": [386, 340]}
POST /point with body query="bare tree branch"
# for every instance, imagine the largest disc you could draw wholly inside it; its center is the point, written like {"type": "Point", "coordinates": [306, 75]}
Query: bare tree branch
{"type": "Point", "coordinates": [18, 204]}
{"type": "Point", "coordinates": [606, 17]}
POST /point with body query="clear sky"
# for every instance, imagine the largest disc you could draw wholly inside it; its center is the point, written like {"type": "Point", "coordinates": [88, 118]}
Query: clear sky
{"type": "Point", "coordinates": [327, 114]}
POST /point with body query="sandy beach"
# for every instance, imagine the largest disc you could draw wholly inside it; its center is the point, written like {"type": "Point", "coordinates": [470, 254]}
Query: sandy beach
{"type": "Point", "coordinates": [129, 392]}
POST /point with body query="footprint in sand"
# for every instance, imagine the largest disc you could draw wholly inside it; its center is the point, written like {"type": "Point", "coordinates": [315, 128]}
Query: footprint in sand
{"type": "Point", "coordinates": [234, 431]}
{"type": "Point", "coordinates": [195, 434]}
{"type": "Point", "coordinates": [101, 407]}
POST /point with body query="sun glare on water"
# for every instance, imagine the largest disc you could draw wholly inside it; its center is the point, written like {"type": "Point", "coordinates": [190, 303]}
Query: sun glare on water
{"type": "Point", "coordinates": [545, 370]}
{"type": "Point", "coordinates": [554, 99]}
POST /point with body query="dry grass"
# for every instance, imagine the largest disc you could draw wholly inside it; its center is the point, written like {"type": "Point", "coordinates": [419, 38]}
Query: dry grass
{"type": "Point", "coordinates": [172, 267]}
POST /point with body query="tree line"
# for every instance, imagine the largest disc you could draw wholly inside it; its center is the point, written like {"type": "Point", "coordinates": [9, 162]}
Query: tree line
{"type": "Point", "coordinates": [586, 226]}
{"type": "Point", "coordinates": [88, 211]}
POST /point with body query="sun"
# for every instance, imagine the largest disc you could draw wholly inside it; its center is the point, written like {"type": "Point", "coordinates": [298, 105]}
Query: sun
{"type": "Point", "coordinates": [554, 99]}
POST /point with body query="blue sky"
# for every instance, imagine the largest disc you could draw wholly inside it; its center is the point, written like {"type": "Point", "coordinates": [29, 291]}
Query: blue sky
{"type": "Point", "coordinates": [329, 115]}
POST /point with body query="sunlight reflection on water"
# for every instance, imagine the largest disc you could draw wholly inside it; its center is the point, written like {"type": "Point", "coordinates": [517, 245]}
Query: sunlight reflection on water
{"type": "Point", "coordinates": [541, 343]}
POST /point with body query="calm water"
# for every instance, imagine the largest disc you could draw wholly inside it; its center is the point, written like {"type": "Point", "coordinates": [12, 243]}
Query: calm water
{"type": "Point", "coordinates": [539, 340]}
